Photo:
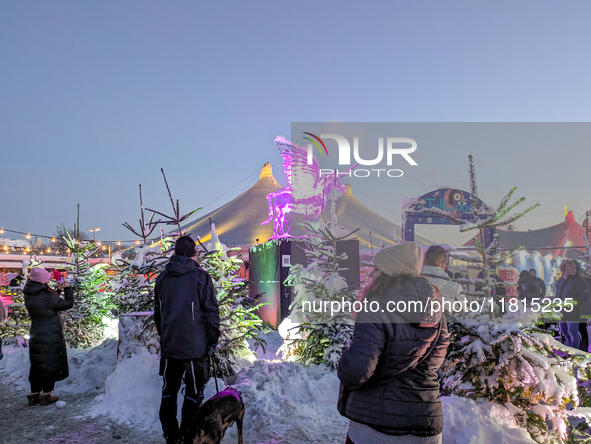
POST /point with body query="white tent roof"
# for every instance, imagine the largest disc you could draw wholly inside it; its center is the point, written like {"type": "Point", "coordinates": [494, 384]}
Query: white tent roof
{"type": "Point", "coordinates": [238, 222]}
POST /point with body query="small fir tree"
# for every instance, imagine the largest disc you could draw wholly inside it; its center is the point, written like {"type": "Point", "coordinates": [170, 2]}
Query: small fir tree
{"type": "Point", "coordinates": [320, 337]}
{"type": "Point", "coordinates": [488, 258]}
{"type": "Point", "coordinates": [85, 322]}
{"type": "Point", "coordinates": [132, 284]}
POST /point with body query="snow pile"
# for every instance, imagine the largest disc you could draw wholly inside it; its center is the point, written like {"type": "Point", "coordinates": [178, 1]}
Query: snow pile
{"type": "Point", "coordinates": [15, 365]}
{"type": "Point", "coordinates": [132, 392]}
{"type": "Point", "coordinates": [467, 421]}
{"type": "Point", "coordinates": [290, 401]}
{"type": "Point", "coordinates": [89, 368]}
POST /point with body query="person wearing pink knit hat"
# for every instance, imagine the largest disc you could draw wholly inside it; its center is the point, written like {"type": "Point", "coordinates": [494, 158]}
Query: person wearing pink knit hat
{"type": "Point", "coordinates": [47, 346]}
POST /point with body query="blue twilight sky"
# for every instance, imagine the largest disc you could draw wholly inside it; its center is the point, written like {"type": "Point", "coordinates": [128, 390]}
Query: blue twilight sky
{"type": "Point", "coordinates": [96, 97]}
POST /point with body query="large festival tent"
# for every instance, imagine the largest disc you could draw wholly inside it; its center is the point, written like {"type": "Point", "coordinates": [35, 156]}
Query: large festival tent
{"type": "Point", "coordinates": [238, 222]}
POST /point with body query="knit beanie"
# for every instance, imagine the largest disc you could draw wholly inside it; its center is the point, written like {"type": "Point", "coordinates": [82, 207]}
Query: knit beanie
{"type": "Point", "coordinates": [56, 275]}
{"type": "Point", "coordinates": [404, 258]}
{"type": "Point", "coordinates": [185, 246]}
{"type": "Point", "coordinates": [40, 275]}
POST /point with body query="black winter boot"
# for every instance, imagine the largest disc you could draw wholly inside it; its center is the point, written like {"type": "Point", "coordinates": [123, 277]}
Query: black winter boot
{"type": "Point", "coordinates": [33, 399]}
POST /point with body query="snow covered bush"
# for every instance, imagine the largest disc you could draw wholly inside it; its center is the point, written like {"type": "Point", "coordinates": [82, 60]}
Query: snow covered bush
{"type": "Point", "coordinates": [518, 367]}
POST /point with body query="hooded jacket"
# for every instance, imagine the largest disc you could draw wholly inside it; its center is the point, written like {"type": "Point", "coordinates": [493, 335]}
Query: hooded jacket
{"type": "Point", "coordinates": [185, 310]}
{"type": "Point", "coordinates": [386, 345]}
{"type": "Point", "coordinates": [575, 288]}
{"type": "Point", "coordinates": [47, 346]}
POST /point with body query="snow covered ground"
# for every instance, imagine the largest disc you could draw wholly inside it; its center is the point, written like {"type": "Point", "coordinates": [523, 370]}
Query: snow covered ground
{"type": "Point", "coordinates": [285, 402]}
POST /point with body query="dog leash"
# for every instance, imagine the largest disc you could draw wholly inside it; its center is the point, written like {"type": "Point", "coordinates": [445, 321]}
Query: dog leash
{"type": "Point", "coordinates": [214, 365]}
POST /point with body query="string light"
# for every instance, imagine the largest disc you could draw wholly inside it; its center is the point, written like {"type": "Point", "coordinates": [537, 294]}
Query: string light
{"type": "Point", "coordinates": [53, 238]}
{"type": "Point", "coordinates": [98, 243]}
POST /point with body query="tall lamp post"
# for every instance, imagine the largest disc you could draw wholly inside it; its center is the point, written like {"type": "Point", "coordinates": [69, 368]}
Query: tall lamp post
{"type": "Point", "coordinates": [93, 231]}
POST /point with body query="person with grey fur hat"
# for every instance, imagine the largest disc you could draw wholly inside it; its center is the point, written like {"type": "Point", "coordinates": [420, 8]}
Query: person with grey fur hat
{"type": "Point", "coordinates": [389, 385]}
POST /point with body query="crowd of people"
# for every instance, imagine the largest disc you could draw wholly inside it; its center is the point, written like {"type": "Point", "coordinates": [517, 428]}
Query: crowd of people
{"type": "Point", "coordinates": [390, 374]}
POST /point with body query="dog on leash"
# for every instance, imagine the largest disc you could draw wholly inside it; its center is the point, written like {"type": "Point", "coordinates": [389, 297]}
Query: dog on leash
{"type": "Point", "coordinates": [216, 415]}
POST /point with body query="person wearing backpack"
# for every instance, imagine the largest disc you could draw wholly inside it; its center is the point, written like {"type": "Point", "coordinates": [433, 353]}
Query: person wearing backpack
{"type": "Point", "coordinates": [389, 385]}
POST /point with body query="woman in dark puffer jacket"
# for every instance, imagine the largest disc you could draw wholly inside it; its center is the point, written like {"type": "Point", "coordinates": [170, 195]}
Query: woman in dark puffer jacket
{"type": "Point", "coordinates": [47, 347]}
{"type": "Point", "coordinates": [389, 385]}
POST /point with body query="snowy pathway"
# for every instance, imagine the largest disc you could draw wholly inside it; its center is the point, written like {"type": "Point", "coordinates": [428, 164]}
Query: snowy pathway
{"type": "Point", "coordinates": [286, 403]}
{"type": "Point", "coordinates": [20, 423]}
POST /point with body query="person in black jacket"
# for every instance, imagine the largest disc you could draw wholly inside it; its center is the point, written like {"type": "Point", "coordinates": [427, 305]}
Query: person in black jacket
{"type": "Point", "coordinates": [572, 286]}
{"type": "Point", "coordinates": [47, 346]}
{"type": "Point", "coordinates": [526, 287]}
{"type": "Point", "coordinates": [389, 384]}
{"type": "Point", "coordinates": [540, 284]}
{"type": "Point", "coordinates": [187, 319]}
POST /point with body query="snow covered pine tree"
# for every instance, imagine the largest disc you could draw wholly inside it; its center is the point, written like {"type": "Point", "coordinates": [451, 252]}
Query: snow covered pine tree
{"type": "Point", "coordinates": [84, 323]}
{"type": "Point", "coordinates": [504, 358]}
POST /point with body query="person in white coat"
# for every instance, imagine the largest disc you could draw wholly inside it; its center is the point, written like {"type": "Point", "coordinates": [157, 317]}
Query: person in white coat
{"type": "Point", "coordinates": [434, 271]}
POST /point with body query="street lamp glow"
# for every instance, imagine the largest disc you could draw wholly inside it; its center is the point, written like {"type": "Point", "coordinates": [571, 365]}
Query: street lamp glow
{"type": "Point", "coordinates": [93, 231]}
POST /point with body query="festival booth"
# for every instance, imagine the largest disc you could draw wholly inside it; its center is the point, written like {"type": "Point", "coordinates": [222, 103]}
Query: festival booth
{"type": "Point", "coordinates": [270, 265]}
{"type": "Point", "coordinates": [546, 248]}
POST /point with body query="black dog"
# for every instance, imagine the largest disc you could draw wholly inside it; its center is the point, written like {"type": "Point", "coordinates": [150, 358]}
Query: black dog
{"type": "Point", "coordinates": [216, 415]}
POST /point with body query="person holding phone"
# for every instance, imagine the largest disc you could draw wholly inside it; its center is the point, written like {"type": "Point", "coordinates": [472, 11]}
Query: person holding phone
{"type": "Point", "coordinates": [47, 346]}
